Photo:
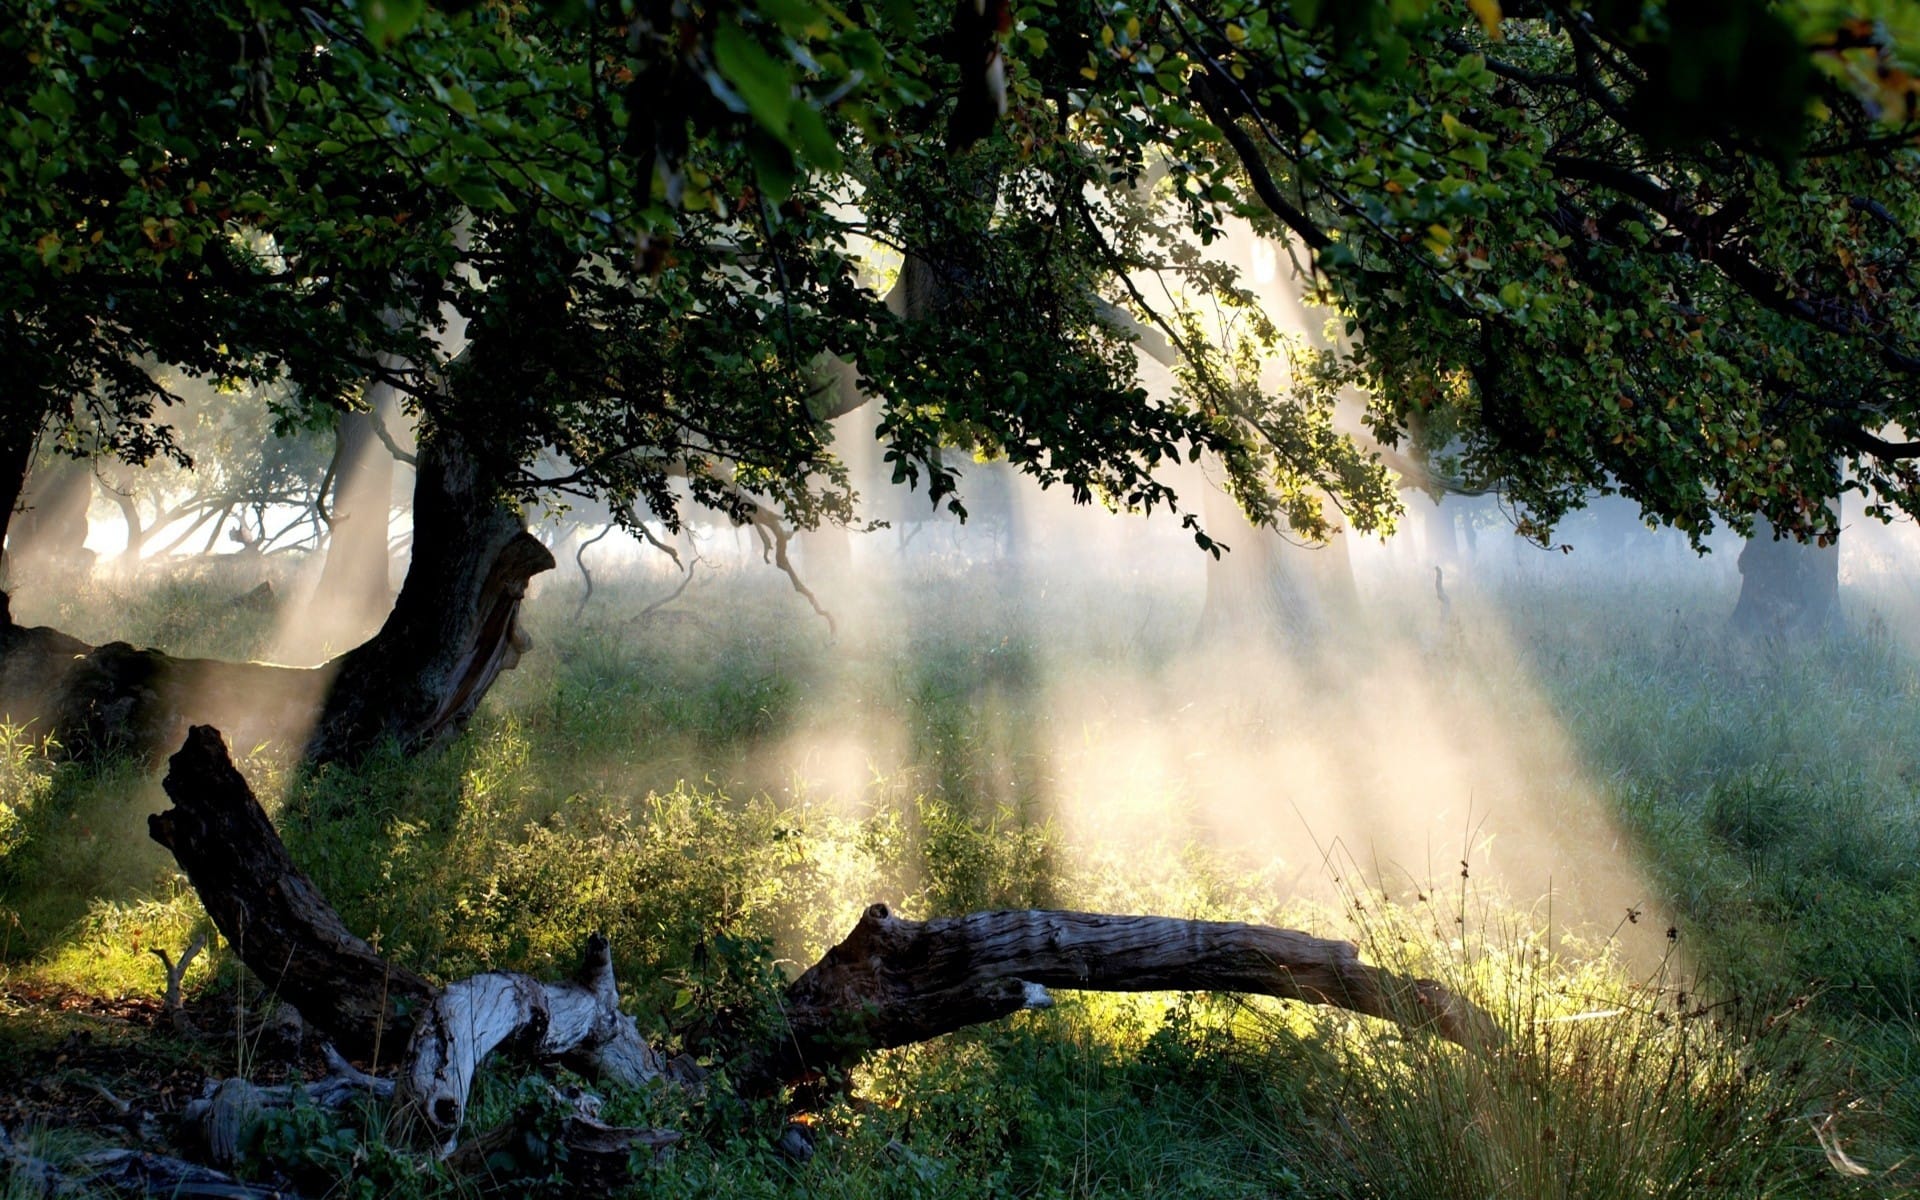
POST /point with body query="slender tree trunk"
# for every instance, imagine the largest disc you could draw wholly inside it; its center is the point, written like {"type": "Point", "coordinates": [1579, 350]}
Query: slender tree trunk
{"type": "Point", "coordinates": [1787, 588]}
{"type": "Point", "coordinates": [1266, 587]}
{"type": "Point", "coordinates": [455, 625]}
{"type": "Point", "coordinates": [1435, 520]}
{"type": "Point", "coordinates": [48, 535]}
{"type": "Point", "coordinates": [17, 439]}
{"type": "Point", "coordinates": [357, 571]}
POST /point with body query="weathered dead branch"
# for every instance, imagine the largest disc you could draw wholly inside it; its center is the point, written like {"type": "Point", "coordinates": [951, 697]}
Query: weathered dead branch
{"type": "Point", "coordinates": [272, 914]}
{"type": "Point", "coordinates": [125, 1171]}
{"type": "Point", "coordinates": [891, 982]}
{"type": "Point", "coordinates": [223, 1117]}
{"type": "Point", "coordinates": [577, 1023]}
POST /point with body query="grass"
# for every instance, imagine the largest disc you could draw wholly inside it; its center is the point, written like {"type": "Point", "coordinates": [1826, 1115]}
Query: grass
{"type": "Point", "coordinates": [724, 789]}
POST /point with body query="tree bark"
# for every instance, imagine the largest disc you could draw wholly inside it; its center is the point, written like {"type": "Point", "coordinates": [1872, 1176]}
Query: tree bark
{"type": "Point", "coordinates": [455, 625]}
{"type": "Point", "coordinates": [115, 699]}
{"type": "Point", "coordinates": [17, 439]}
{"type": "Point", "coordinates": [890, 983]}
{"type": "Point", "coordinates": [1787, 588]}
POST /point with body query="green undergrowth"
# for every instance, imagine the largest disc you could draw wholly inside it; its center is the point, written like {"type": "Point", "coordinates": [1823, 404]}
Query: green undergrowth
{"type": "Point", "coordinates": [682, 780]}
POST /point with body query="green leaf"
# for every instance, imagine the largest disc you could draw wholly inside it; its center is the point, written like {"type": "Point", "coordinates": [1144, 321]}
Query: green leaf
{"type": "Point", "coordinates": [388, 21]}
{"type": "Point", "coordinates": [761, 81]}
{"type": "Point", "coordinates": [772, 167]}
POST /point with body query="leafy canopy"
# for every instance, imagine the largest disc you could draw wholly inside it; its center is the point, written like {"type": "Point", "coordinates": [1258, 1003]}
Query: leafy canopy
{"type": "Point", "coordinates": [1660, 249]}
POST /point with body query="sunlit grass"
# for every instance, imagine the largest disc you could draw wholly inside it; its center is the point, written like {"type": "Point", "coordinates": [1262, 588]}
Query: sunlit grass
{"type": "Point", "coordinates": [724, 791]}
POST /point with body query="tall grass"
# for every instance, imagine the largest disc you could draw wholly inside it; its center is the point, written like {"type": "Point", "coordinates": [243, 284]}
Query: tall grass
{"type": "Point", "coordinates": [638, 775]}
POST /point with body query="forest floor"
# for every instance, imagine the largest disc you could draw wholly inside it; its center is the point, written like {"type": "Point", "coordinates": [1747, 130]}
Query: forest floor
{"type": "Point", "coordinates": [1683, 870]}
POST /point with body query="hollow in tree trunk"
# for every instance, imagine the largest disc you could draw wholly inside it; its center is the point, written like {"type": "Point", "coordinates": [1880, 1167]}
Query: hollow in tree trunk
{"type": "Point", "coordinates": [1788, 588]}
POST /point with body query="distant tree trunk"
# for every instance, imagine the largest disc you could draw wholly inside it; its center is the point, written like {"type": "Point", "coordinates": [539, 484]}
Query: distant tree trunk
{"type": "Point", "coordinates": [357, 574]}
{"type": "Point", "coordinates": [1787, 588]}
{"type": "Point", "coordinates": [1266, 587]}
{"type": "Point", "coordinates": [455, 625]}
{"type": "Point", "coordinates": [17, 440]}
{"type": "Point", "coordinates": [1436, 524]}
{"type": "Point", "coordinates": [49, 534]}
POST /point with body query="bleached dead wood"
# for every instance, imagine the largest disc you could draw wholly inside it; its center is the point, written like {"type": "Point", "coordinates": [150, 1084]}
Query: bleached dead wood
{"type": "Point", "coordinates": [578, 1023]}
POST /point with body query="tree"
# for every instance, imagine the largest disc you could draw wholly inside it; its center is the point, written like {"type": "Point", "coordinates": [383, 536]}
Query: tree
{"type": "Point", "coordinates": [649, 230]}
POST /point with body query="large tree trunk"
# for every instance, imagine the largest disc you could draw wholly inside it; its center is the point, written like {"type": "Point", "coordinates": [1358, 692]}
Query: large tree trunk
{"type": "Point", "coordinates": [890, 983]}
{"type": "Point", "coordinates": [116, 699]}
{"type": "Point", "coordinates": [453, 630]}
{"type": "Point", "coordinates": [1787, 588]}
{"type": "Point", "coordinates": [17, 438]}
{"type": "Point", "coordinates": [455, 625]}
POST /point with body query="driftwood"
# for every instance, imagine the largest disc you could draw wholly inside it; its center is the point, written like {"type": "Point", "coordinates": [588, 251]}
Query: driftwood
{"type": "Point", "coordinates": [891, 982]}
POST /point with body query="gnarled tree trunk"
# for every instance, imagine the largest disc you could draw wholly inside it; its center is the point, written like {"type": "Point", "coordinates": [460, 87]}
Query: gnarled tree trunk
{"type": "Point", "coordinates": [112, 699]}
{"type": "Point", "coordinates": [455, 625]}
{"type": "Point", "coordinates": [454, 628]}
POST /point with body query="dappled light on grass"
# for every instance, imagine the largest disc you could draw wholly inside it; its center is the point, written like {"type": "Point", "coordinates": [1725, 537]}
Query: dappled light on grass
{"type": "Point", "coordinates": [723, 791]}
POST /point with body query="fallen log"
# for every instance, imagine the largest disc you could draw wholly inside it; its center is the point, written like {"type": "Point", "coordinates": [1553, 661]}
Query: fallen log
{"type": "Point", "coordinates": [288, 935]}
{"type": "Point", "coordinates": [95, 701]}
{"type": "Point", "coordinates": [894, 982]}
{"type": "Point", "coordinates": [271, 913]}
{"type": "Point", "coordinates": [891, 982]}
